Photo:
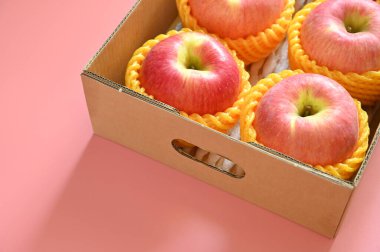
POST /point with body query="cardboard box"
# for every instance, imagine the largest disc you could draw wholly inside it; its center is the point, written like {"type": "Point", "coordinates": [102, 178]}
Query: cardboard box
{"type": "Point", "coordinates": [291, 189]}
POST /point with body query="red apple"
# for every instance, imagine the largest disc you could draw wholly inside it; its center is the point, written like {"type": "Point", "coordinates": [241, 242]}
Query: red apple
{"type": "Point", "coordinates": [344, 35]}
{"type": "Point", "coordinates": [192, 72]}
{"type": "Point", "coordinates": [236, 18]}
{"type": "Point", "coordinates": [310, 118]}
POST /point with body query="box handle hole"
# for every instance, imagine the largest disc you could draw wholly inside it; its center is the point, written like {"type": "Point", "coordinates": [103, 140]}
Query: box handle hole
{"type": "Point", "coordinates": [212, 160]}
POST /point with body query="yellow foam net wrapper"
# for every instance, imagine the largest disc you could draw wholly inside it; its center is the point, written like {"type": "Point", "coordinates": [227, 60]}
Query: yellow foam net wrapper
{"type": "Point", "coordinates": [221, 121]}
{"type": "Point", "coordinates": [343, 170]}
{"type": "Point", "coordinates": [251, 48]}
{"type": "Point", "coordinates": [365, 87]}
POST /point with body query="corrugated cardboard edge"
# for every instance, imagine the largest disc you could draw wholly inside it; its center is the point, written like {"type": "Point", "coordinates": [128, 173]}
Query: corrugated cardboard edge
{"type": "Point", "coordinates": [124, 89]}
{"type": "Point", "coordinates": [302, 165]}
{"type": "Point", "coordinates": [368, 156]}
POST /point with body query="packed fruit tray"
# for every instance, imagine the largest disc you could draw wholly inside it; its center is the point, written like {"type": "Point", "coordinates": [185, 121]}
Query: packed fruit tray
{"type": "Point", "coordinates": [263, 73]}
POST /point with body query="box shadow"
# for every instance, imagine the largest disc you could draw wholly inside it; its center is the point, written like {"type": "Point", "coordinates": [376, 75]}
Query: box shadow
{"type": "Point", "coordinates": [118, 200]}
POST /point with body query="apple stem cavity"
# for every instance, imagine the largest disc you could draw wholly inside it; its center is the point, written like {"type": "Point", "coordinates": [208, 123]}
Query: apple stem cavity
{"type": "Point", "coordinates": [349, 29]}
{"type": "Point", "coordinates": [188, 54]}
{"type": "Point", "coordinates": [192, 61]}
{"type": "Point", "coordinates": [308, 104]}
{"type": "Point", "coordinates": [192, 67]}
{"type": "Point", "coordinates": [355, 22]}
{"type": "Point", "coordinates": [307, 111]}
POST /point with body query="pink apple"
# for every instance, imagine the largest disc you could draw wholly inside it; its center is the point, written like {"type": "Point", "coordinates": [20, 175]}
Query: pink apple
{"type": "Point", "coordinates": [344, 35]}
{"type": "Point", "coordinates": [236, 18]}
{"type": "Point", "coordinates": [192, 72]}
{"type": "Point", "coordinates": [310, 118]}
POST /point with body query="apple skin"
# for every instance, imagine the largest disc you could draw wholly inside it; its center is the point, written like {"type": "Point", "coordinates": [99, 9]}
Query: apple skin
{"type": "Point", "coordinates": [192, 72]}
{"type": "Point", "coordinates": [236, 18]}
{"type": "Point", "coordinates": [326, 40]}
{"type": "Point", "coordinates": [327, 136]}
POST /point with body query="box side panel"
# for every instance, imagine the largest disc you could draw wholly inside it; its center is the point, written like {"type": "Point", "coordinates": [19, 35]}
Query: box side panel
{"type": "Point", "coordinates": [274, 184]}
{"type": "Point", "coordinates": [146, 20]}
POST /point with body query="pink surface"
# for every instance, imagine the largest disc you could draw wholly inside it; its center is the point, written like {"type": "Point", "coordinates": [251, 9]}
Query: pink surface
{"type": "Point", "coordinates": [62, 189]}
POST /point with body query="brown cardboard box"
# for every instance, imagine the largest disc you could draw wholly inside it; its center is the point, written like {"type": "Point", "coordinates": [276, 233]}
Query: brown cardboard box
{"type": "Point", "coordinates": [273, 181]}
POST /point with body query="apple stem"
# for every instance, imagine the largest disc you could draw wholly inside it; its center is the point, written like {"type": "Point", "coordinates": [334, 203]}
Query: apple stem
{"type": "Point", "coordinates": [349, 28]}
{"type": "Point", "coordinates": [307, 111]}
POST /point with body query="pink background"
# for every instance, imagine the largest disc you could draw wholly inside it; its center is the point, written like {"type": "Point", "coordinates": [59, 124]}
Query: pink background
{"type": "Point", "coordinates": [63, 189]}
